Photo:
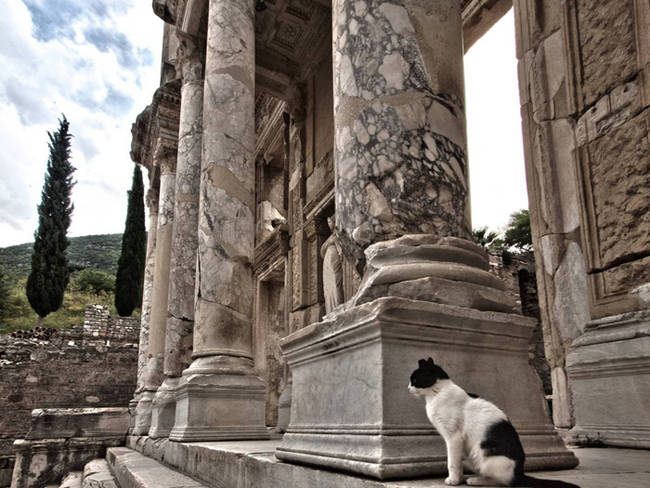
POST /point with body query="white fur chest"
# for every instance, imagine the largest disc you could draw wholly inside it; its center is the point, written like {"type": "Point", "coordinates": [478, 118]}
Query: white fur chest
{"type": "Point", "coordinates": [444, 407]}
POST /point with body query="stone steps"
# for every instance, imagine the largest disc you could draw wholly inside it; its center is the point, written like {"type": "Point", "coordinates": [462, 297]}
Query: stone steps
{"type": "Point", "coordinates": [133, 470]}
{"type": "Point", "coordinates": [97, 474]}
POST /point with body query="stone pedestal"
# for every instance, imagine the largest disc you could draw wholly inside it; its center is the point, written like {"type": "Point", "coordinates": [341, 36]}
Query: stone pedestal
{"type": "Point", "coordinates": [163, 409]}
{"type": "Point", "coordinates": [350, 406]}
{"type": "Point", "coordinates": [220, 399]}
{"type": "Point", "coordinates": [219, 395]}
{"type": "Point", "coordinates": [609, 362]}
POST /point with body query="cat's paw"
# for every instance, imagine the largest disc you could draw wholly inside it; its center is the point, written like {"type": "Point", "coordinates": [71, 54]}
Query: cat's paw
{"type": "Point", "coordinates": [453, 480]}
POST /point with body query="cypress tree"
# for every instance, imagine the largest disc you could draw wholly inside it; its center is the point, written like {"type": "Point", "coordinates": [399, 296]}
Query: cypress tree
{"type": "Point", "coordinates": [49, 274]}
{"type": "Point", "coordinates": [130, 267]}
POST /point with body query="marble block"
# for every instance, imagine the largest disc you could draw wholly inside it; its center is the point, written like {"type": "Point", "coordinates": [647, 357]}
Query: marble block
{"type": "Point", "coordinates": [163, 409]}
{"type": "Point", "coordinates": [609, 375]}
{"type": "Point", "coordinates": [350, 406]}
{"type": "Point", "coordinates": [220, 402]}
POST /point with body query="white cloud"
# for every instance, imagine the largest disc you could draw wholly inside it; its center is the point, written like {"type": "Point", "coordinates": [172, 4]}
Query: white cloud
{"type": "Point", "coordinates": [99, 63]}
{"type": "Point", "coordinates": [496, 155]}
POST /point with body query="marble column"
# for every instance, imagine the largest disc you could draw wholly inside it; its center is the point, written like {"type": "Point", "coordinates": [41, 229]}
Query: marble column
{"type": "Point", "coordinates": [219, 396]}
{"type": "Point", "coordinates": [402, 216]}
{"type": "Point", "coordinates": [400, 142]}
{"type": "Point", "coordinates": [165, 157]}
{"type": "Point", "coordinates": [143, 344]}
{"type": "Point", "coordinates": [180, 309]}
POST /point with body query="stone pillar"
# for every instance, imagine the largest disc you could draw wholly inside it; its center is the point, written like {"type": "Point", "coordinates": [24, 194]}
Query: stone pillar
{"type": "Point", "coordinates": [165, 157]}
{"type": "Point", "coordinates": [399, 119]}
{"type": "Point", "coordinates": [402, 216]}
{"type": "Point", "coordinates": [143, 344]}
{"type": "Point", "coordinates": [180, 319]}
{"type": "Point", "coordinates": [219, 396]}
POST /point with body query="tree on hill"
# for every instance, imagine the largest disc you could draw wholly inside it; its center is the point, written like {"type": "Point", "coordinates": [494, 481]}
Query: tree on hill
{"type": "Point", "coordinates": [518, 232]}
{"type": "Point", "coordinates": [49, 273]}
{"type": "Point", "coordinates": [130, 267]}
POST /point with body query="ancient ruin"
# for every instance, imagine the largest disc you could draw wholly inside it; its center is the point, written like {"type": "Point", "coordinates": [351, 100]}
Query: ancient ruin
{"type": "Point", "coordinates": [310, 236]}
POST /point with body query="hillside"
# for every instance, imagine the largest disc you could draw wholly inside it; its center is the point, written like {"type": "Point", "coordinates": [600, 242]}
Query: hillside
{"type": "Point", "coordinates": [96, 252]}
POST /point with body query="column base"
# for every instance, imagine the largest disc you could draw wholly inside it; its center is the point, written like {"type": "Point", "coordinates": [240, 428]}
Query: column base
{"type": "Point", "coordinates": [220, 398]}
{"type": "Point", "coordinates": [163, 409]}
{"type": "Point", "coordinates": [609, 376]}
{"type": "Point", "coordinates": [351, 409]}
{"type": "Point", "coordinates": [142, 422]}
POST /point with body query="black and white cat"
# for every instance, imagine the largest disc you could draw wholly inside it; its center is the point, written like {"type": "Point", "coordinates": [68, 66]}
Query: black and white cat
{"type": "Point", "coordinates": [475, 431]}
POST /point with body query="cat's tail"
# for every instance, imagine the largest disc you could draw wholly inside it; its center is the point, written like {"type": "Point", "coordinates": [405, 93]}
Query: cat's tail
{"type": "Point", "coordinates": [542, 483]}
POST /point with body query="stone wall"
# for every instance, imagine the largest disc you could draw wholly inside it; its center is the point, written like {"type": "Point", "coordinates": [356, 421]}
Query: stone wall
{"type": "Point", "coordinates": [521, 284]}
{"type": "Point", "coordinates": [87, 365]}
{"type": "Point", "coordinates": [586, 147]}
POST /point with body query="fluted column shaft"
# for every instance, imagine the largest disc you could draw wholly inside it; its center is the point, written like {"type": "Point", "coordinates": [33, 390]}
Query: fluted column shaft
{"type": "Point", "coordinates": [178, 339]}
{"type": "Point", "coordinates": [224, 299]}
{"type": "Point", "coordinates": [160, 291]}
{"type": "Point", "coordinates": [184, 241]}
{"type": "Point", "coordinates": [219, 396]}
{"type": "Point", "coordinates": [145, 315]}
{"type": "Point", "coordinates": [153, 373]}
{"type": "Point", "coordinates": [399, 118]}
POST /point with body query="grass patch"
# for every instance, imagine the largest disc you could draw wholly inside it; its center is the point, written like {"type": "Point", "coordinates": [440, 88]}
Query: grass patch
{"type": "Point", "coordinates": [19, 314]}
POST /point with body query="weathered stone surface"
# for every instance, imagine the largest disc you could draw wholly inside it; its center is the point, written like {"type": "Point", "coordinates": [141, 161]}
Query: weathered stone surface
{"type": "Point", "coordinates": [133, 470]}
{"type": "Point", "coordinates": [399, 121]}
{"type": "Point", "coordinates": [249, 464]}
{"type": "Point", "coordinates": [620, 179]}
{"type": "Point", "coordinates": [47, 423]}
{"type": "Point", "coordinates": [184, 246]}
{"type": "Point", "coordinates": [72, 480]}
{"type": "Point", "coordinates": [372, 349]}
{"type": "Point", "coordinates": [97, 474]}
{"type": "Point", "coordinates": [606, 39]}
{"type": "Point", "coordinates": [145, 316]}
{"type": "Point", "coordinates": [84, 365]}
{"type": "Point", "coordinates": [610, 362]}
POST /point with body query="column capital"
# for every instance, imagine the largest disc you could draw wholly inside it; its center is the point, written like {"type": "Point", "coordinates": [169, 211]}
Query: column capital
{"type": "Point", "coordinates": [165, 156]}
{"type": "Point", "coordinates": [190, 58]}
{"type": "Point", "coordinates": [152, 200]}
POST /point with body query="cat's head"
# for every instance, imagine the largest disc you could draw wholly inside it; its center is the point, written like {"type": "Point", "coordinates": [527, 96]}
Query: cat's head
{"type": "Point", "coordinates": [426, 376]}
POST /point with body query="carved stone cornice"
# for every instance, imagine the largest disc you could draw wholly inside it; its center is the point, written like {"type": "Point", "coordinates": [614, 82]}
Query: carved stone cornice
{"type": "Point", "coordinates": [157, 126]}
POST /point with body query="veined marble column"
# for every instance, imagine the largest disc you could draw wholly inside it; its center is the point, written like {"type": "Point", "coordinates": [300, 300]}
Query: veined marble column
{"type": "Point", "coordinates": [153, 373]}
{"type": "Point", "coordinates": [180, 320]}
{"type": "Point", "coordinates": [402, 213]}
{"type": "Point", "coordinates": [399, 118]}
{"type": "Point", "coordinates": [143, 344]}
{"type": "Point", "coordinates": [219, 396]}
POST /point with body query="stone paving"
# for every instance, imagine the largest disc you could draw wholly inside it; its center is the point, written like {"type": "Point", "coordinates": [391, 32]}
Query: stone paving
{"type": "Point", "coordinates": [253, 464]}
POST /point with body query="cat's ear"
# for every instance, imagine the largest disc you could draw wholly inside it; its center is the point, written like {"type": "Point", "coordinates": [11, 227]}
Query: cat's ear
{"type": "Point", "coordinates": [422, 363]}
{"type": "Point", "coordinates": [430, 361]}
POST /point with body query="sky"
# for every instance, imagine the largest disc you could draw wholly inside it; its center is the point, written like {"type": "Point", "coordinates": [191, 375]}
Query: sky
{"type": "Point", "coordinates": [98, 62]}
{"type": "Point", "coordinates": [495, 142]}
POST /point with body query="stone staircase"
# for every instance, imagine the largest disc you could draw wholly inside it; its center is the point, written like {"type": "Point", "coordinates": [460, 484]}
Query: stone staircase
{"type": "Point", "coordinates": [126, 468]}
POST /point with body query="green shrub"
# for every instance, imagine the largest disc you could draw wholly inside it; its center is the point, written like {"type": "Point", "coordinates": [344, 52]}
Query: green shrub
{"type": "Point", "coordinates": [93, 281]}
